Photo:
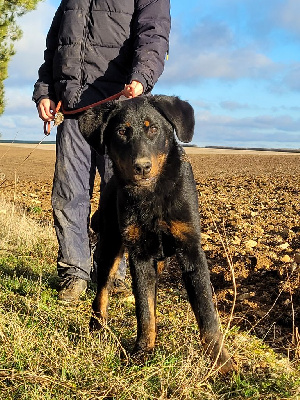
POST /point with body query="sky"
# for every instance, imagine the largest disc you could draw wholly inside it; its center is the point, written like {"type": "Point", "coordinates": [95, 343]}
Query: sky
{"type": "Point", "coordinates": [236, 61]}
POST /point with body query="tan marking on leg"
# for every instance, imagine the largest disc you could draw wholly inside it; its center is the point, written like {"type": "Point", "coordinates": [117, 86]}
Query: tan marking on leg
{"type": "Point", "coordinates": [180, 229]}
{"type": "Point", "coordinates": [133, 233]}
{"type": "Point", "coordinates": [102, 300]}
{"type": "Point", "coordinates": [152, 323]}
{"type": "Point", "coordinates": [115, 266]}
{"type": "Point", "coordinates": [160, 266]}
{"type": "Point", "coordinates": [100, 303]}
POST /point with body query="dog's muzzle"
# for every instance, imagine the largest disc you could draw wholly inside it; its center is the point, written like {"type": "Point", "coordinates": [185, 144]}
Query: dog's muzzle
{"type": "Point", "coordinates": [142, 168]}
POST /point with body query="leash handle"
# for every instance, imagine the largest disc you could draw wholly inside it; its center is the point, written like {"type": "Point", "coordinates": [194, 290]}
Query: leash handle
{"type": "Point", "coordinates": [58, 119]}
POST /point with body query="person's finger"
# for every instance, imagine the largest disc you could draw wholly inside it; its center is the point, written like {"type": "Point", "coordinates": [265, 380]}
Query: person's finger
{"type": "Point", "coordinates": [128, 91]}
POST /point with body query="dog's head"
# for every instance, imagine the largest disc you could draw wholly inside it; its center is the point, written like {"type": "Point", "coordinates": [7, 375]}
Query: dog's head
{"type": "Point", "coordinates": [138, 134]}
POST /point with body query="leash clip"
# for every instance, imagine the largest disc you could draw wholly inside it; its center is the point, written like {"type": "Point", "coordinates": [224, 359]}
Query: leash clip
{"type": "Point", "coordinates": [58, 119]}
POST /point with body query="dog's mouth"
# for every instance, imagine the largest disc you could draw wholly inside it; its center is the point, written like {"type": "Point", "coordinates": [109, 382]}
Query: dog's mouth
{"type": "Point", "coordinates": [144, 180]}
{"type": "Point", "coordinates": [142, 172]}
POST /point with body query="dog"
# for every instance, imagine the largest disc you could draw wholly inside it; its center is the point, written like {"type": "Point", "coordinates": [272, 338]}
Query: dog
{"type": "Point", "coordinates": [150, 208]}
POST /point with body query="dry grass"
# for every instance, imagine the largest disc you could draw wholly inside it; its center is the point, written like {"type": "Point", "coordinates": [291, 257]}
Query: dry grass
{"type": "Point", "coordinates": [22, 236]}
{"type": "Point", "coordinates": [46, 351]}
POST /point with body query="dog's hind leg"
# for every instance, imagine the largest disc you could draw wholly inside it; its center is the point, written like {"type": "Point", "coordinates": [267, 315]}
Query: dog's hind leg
{"type": "Point", "coordinates": [144, 280]}
{"type": "Point", "coordinates": [197, 283]}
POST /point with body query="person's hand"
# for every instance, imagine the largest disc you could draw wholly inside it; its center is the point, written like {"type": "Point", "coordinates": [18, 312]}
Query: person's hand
{"type": "Point", "coordinates": [46, 110]}
{"type": "Point", "coordinates": [134, 89]}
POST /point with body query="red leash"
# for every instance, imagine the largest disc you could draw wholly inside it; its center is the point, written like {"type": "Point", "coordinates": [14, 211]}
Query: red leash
{"type": "Point", "coordinates": [59, 115]}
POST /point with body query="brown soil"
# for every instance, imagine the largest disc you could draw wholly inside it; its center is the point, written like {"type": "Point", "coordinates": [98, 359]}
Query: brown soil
{"type": "Point", "coordinates": [249, 205]}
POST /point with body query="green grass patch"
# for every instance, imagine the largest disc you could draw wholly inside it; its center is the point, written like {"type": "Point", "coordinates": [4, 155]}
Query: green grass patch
{"type": "Point", "coordinates": [46, 351]}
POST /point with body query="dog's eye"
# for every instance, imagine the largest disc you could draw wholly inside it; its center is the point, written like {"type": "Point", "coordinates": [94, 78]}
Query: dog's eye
{"type": "Point", "coordinates": [123, 132]}
{"type": "Point", "coordinates": [153, 130]}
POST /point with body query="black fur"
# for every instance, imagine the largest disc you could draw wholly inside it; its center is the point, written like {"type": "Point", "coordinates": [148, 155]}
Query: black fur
{"type": "Point", "coordinates": [150, 207]}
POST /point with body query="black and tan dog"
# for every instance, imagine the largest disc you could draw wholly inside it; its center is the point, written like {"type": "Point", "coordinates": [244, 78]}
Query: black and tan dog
{"type": "Point", "coordinates": [150, 207]}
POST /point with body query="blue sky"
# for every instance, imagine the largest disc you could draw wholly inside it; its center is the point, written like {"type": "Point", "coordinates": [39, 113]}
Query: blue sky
{"type": "Point", "coordinates": [236, 61]}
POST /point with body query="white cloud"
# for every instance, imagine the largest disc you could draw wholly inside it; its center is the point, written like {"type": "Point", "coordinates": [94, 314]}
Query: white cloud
{"type": "Point", "coordinates": [30, 49]}
{"type": "Point", "coordinates": [233, 105]}
{"type": "Point", "coordinates": [7, 122]}
{"type": "Point", "coordinates": [287, 15]}
{"type": "Point", "coordinates": [23, 126]}
{"type": "Point", "coordinates": [205, 54]}
{"type": "Point", "coordinates": [18, 100]}
{"type": "Point", "coordinates": [268, 122]}
{"type": "Point", "coordinates": [275, 131]}
{"type": "Point", "coordinates": [201, 104]}
{"type": "Point", "coordinates": [231, 65]}
{"type": "Point", "coordinates": [209, 34]}
{"type": "Point", "coordinates": [20, 117]}
{"type": "Point", "coordinates": [292, 77]}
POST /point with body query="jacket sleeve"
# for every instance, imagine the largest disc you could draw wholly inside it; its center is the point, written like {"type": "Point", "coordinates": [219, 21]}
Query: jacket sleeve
{"type": "Point", "coordinates": [44, 87]}
{"type": "Point", "coordinates": [151, 31]}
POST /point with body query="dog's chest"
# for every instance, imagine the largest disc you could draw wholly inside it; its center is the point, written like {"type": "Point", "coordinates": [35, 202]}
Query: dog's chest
{"type": "Point", "coordinates": [146, 231]}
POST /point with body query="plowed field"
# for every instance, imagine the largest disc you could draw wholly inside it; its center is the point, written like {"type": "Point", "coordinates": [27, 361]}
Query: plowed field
{"type": "Point", "coordinates": [250, 210]}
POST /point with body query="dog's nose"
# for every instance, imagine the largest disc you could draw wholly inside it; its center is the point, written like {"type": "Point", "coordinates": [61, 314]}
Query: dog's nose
{"type": "Point", "coordinates": [142, 166]}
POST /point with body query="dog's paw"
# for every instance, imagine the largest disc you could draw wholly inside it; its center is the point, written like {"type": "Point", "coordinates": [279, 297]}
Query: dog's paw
{"type": "Point", "coordinates": [139, 356]}
{"type": "Point", "coordinates": [96, 324]}
{"type": "Point", "coordinates": [217, 352]}
{"type": "Point", "coordinates": [225, 364]}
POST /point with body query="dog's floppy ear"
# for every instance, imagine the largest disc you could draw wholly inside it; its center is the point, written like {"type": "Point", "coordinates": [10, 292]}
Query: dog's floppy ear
{"type": "Point", "coordinates": [179, 113]}
{"type": "Point", "coordinates": [92, 124]}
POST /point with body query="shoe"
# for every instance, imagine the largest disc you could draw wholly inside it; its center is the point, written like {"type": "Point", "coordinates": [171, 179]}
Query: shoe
{"type": "Point", "coordinates": [120, 286]}
{"type": "Point", "coordinates": [71, 288]}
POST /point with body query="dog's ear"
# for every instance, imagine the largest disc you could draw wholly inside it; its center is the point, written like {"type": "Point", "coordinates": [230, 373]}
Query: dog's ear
{"type": "Point", "coordinates": [92, 124]}
{"type": "Point", "coordinates": [179, 113]}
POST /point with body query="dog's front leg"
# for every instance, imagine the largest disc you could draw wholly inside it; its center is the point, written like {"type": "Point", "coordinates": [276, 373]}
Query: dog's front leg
{"type": "Point", "coordinates": [107, 267]}
{"type": "Point", "coordinates": [197, 283]}
{"type": "Point", "coordinates": [144, 280]}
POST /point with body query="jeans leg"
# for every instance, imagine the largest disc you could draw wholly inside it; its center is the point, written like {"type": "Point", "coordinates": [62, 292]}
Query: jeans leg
{"type": "Point", "coordinates": [72, 186]}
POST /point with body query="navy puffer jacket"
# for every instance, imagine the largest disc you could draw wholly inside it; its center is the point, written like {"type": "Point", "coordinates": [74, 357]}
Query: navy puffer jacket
{"type": "Point", "coordinates": [94, 47]}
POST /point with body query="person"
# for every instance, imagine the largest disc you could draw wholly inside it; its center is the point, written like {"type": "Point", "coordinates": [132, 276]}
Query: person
{"type": "Point", "coordinates": [94, 49]}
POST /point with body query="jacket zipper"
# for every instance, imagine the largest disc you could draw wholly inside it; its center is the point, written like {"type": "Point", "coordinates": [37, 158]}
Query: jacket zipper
{"type": "Point", "coordinates": [82, 51]}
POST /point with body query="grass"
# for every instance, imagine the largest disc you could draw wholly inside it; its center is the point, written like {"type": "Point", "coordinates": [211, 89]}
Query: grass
{"type": "Point", "coordinates": [46, 351]}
